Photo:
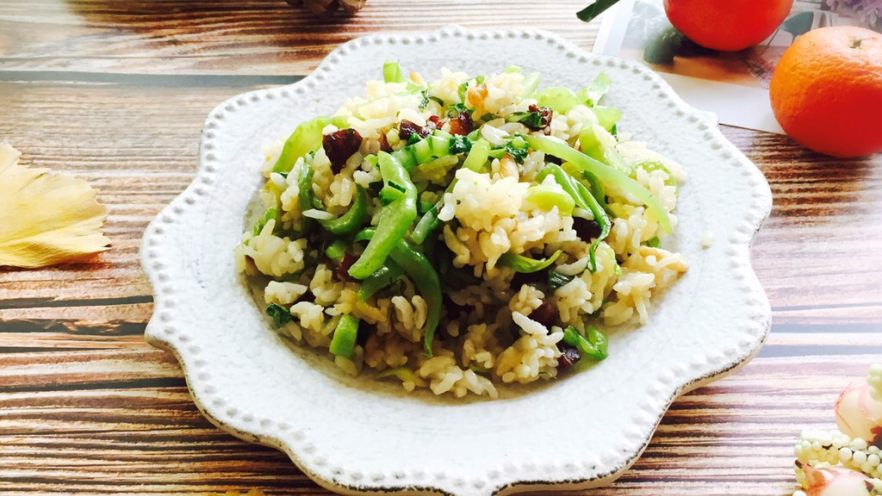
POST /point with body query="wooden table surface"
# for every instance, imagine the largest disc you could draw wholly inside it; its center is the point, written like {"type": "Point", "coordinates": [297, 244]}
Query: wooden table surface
{"type": "Point", "coordinates": [116, 92]}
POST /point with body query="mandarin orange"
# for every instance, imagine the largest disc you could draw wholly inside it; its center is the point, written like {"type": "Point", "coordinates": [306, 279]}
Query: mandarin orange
{"type": "Point", "coordinates": [827, 91]}
{"type": "Point", "coordinates": [729, 25]}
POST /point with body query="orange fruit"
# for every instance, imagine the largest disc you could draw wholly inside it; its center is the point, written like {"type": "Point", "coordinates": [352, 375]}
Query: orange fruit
{"type": "Point", "coordinates": [827, 91]}
{"type": "Point", "coordinates": [729, 25]}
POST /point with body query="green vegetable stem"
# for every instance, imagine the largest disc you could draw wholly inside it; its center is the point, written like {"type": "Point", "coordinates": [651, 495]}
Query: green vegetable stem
{"type": "Point", "coordinates": [383, 277]}
{"type": "Point", "coordinates": [336, 250]}
{"type": "Point", "coordinates": [345, 336]}
{"type": "Point", "coordinates": [608, 175]}
{"type": "Point", "coordinates": [352, 220]}
{"type": "Point", "coordinates": [527, 265]}
{"type": "Point", "coordinates": [423, 275]}
{"type": "Point", "coordinates": [392, 72]}
{"type": "Point", "coordinates": [394, 219]}
{"type": "Point", "coordinates": [270, 213]}
{"type": "Point", "coordinates": [476, 160]}
{"type": "Point", "coordinates": [591, 344]}
{"type": "Point", "coordinates": [307, 137]}
{"type": "Point", "coordinates": [420, 271]}
{"type": "Point", "coordinates": [582, 197]}
{"type": "Point", "coordinates": [556, 279]}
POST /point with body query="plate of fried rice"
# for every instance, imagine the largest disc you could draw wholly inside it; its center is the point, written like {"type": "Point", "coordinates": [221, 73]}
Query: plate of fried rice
{"type": "Point", "coordinates": [459, 262]}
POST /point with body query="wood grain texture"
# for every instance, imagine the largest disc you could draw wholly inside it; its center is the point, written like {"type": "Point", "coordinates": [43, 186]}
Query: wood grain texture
{"type": "Point", "coordinates": [230, 36]}
{"type": "Point", "coordinates": [116, 92]}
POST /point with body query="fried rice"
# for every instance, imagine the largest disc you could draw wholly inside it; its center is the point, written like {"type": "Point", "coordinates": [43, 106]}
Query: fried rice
{"type": "Point", "coordinates": [463, 233]}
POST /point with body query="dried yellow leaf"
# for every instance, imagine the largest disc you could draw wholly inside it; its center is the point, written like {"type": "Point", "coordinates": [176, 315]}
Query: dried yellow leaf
{"type": "Point", "coordinates": [46, 218]}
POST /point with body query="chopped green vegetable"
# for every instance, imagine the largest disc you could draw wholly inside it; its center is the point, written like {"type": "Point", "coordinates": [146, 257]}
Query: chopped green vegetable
{"type": "Point", "coordinates": [518, 148]}
{"type": "Point", "coordinates": [459, 144]}
{"type": "Point", "coordinates": [306, 137]}
{"type": "Point", "coordinates": [279, 314]}
{"type": "Point", "coordinates": [478, 369]}
{"type": "Point", "coordinates": [462, 90]}
{"type": "Point", "coordinates": [559, 99]}
{"type": "Point", "coordinates": [591, 344]}
{"type": "Point", "coordinates": [437, 145]}
{"type": "Point", "coordinates": [403, 374]}
{"type": "Point", "coordinates": [556, 279]}
{"type": "Point", "coordinates": [497, 152]}
{"type": "Point", "coordinates": [477, 157]}
{"type": "Point", "coordinates": [383, 277]}
{"type": "Point", "coordinates": [599, 339]}
{"type": "Point", "coordinates": [435, 170]}
{"type": "Point", "coordinates": [422, 151]}
{"type": "Point", "coordinates": [456, 109]}
{"type": "Point", "coordinates": [545, 197]}
{"type": "Point", "coordinates": [423, 206]}
{"type": "Point", "coordinates": [599, 144]}
{"type": "Point", "coordinates": [423, 275]}
{"type": "Point", "coordinates": [599, 216]}
{"type": "Point", "coordinates": [596, 189]}
{"type": "Point", "coordinates": [527, 265]}
{"type": "Point", "coordinates": [583, 198]}
{"type": "Point", "coordinates": [345, 336]}
{"type": "Point", "coordinates": [564, 99]}
{"type": "Point", "coordinates": [420, 271]}
{"type": "Point", "coordinates": [394, 219]}
{"type": "Point", "coordinates": [270, 213]}
{"type": "Point", "coordinates": [304, 185]}
{"type": "Point", "coordinates": [531, 82]}
{"type": "Point", "coordinates": [307, 198]}
{"type": "Point", "coordinates": [353, 219]}
{"type": "Point", "coordinates": [336, 250]}
{"type": "Point", "coordinates": [607, 117]}
{"type": "Point", "coordinates": [392, 72]}
{"type": "Point", "coordinates": [591, 94]}
{"type": "Point", "coordinates": [365, 234]}
{"type": "Point", "coordinates": [611, 177]}
{"type": "Point", "coordinates": [441, 144]}
{"type": "Point", "coordinates": [424, 99]}
{"type": "Point", "coordinates": [417, 88]}
{"type": "Point", "coordinates": [426, 225]}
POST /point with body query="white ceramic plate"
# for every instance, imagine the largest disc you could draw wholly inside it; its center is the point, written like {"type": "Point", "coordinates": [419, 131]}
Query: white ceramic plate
{"type": "Point", "coordinates": [357, 436]}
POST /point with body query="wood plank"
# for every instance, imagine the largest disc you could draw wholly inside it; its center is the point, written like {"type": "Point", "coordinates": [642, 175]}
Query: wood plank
{"type": "Point", "coordinates": [114, 424]}
{"type": "Point", "coordinates": [234, 37]}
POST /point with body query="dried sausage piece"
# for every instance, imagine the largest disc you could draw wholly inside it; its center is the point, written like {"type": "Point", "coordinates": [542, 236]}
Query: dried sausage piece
{"type": "Point", "coordinates": [339, 146]}
{"type": "Point", "coordinates": [544, 314]}
{"type": "Point", "coordinates": [406, 129]}
{"type": "Point", "coordinates": [586, 229]}
{"type": "Point", "coordinates": [462, 124]}
{"type": "Point", "coordinates": [384, 143]}
{"type": "Point", "coordinates": [342, 269]}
